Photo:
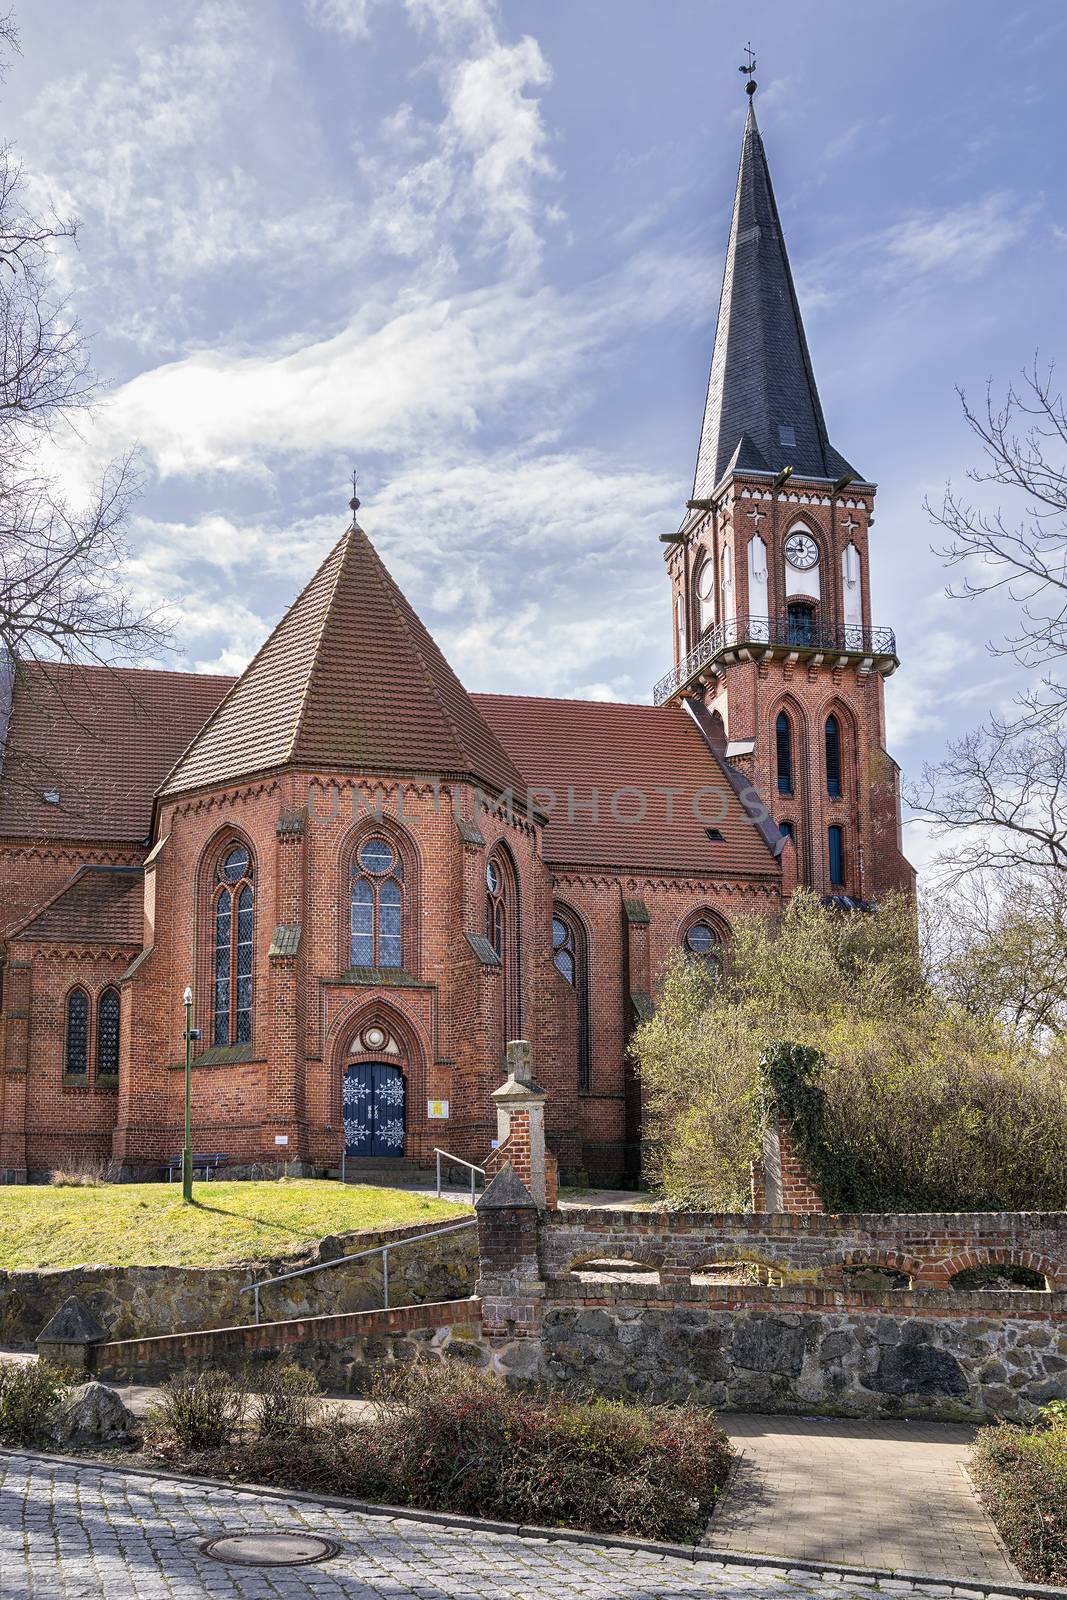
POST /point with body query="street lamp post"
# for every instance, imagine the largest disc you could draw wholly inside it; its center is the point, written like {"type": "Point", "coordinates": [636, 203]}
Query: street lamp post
{"type": "Point", "coordinates": [191, 1033]}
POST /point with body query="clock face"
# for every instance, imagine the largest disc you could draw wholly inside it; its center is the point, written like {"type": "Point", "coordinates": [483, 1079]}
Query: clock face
{"type": "Point", "coordinates": [801, 551]}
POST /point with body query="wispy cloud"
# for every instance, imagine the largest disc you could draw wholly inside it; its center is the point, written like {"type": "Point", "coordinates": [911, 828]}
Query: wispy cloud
{"type": "Point", "coordinates": [965, 241]}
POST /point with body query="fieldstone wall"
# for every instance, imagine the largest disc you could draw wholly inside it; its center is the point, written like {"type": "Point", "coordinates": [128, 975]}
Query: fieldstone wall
{"type": "Point", "coordinates": [812, 1351]}
{"type": "Point", "coordinates": [136, 1302]}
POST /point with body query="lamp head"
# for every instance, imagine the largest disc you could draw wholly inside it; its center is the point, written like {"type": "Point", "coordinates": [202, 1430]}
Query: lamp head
{"type": "Point", "coordinates": [188, 996]}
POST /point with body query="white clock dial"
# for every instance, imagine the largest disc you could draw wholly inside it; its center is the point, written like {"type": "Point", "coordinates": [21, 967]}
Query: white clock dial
{"type": "Point", "coordinates": [801, 551]}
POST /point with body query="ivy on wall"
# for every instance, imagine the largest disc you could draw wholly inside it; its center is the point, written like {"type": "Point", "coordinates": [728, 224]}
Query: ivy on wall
{"type": "Point", "coordinates": [790, 1089]}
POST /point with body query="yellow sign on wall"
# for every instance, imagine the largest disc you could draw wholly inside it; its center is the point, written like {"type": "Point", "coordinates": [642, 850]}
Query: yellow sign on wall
{"type": "Point", "coordinates": [436, 1109]}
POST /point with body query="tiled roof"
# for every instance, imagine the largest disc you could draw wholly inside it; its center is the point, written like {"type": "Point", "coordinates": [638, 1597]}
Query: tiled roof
{"type": "Point", "coordinates": [350, 678]}
{"type": "Point", "coordinates": [573, 747]}
{"type": "Point", "coordinates": [100, 738]}
{"type": "Point", "coordinates": [761, 374]}
{"type": "Point", "coordinates": [100, 905]}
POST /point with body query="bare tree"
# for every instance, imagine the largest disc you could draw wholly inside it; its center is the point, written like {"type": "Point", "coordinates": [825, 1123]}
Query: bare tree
{"type": "Point", "coordinates": [1024, 441]}
{"type": "Point", "coordinates": [62, 597]}
{"type": "Point", "coordinates": [1000, 795]}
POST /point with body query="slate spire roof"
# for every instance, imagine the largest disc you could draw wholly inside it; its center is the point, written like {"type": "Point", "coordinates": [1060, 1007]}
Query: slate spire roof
{"type": "Point", "coordinates": [763, 411]}
{"type": "Point", "coordinates": [351, 679]}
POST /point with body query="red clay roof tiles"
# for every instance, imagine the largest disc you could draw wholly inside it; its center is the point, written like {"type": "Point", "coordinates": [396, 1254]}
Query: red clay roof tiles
{"type": "Point", "coordinates": [631, 754]}
{"type": "Point", "coordinates": [350, 678]}
{"type": "Point", "coordinates": [100, 905]}
{"type": "Point", "coordinates": [101, 738]}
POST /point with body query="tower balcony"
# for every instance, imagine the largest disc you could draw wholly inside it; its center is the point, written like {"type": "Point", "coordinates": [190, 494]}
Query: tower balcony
{"type": "Point", "coordinates": [784, 638]}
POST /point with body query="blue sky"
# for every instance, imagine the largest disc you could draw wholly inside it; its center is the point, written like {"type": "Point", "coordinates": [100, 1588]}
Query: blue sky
{"type": "Point", "coordinates": [475, 250]}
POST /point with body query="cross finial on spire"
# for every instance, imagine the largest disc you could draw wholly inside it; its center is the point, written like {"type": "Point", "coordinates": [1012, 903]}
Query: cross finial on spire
{"type": "Point", "coordinates": [748, 69]}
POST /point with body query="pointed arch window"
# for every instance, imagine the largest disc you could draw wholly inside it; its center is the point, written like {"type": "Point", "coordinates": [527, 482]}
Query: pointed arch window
{"type": "Point", "coordinates": [705, 587]}
{"type": "Point", "coordinates": [783, 746]}
{"type": "Point", "coordinates": [76, 1038]}
{"type": "Point", "coordinates": [833, 757]}
{"type": "Point", "coordinates": [233, 914]}
{"type": "Point", "coordinates": [502, 931]}
{"type": "Point", "coordinates": [108, 1013]}
{"type": "Point", "coordinates": [570, 957]}
{"type": "Point", "coordinates": [801, 623]}
{"type": "Point", "coordinates": [701, 942]}
{"type": "Point", "coordinates": [377, 905]}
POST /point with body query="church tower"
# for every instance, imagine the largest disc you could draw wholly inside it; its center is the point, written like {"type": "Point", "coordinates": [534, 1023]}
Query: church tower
{"type": "Point", "coordinates": [774, 631]}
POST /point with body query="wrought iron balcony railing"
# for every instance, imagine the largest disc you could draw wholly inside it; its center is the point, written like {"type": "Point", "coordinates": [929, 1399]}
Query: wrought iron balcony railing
{"type": "Point", "coordinates": [804, 635]}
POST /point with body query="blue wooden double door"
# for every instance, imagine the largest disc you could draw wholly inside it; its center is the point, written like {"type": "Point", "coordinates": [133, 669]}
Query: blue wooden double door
{"type": "Point", "coordinates": [372, 1104]}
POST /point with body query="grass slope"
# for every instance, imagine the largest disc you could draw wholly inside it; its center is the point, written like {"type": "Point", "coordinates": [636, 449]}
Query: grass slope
{"type": "Point", "coordinates": [145, 1224]}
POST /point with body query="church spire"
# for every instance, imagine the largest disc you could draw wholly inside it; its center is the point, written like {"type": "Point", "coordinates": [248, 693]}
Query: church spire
{"type": "Point", "coordinates": [762, 411]}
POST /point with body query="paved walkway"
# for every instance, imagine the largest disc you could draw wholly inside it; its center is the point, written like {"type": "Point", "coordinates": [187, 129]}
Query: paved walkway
{"type": "Point", "coordinates": [91, 1533]}
{"type": "Point", "coordinates": [873, 1494]}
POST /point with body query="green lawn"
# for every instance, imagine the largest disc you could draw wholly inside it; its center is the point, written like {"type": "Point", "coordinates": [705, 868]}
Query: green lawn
{"type": "Point", "coordinates": [145, 1224]}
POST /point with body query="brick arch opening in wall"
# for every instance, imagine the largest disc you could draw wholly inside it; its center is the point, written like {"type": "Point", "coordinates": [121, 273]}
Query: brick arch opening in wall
{"type": "Point", "coordinates": [702, 934]}
{"type": "Point", "coordinates": [503, 928]}
{"type": "Point", "coordinates": [570, 956]}
{"type": "Point", "coordinates": [792, 804]}
{"type": "Point", "coordinates": [1055, 1272]}
{"type": "Point", "coordinates": [378, 1035]}
{"type": "Point", "coordinates": [378, 897]}
{"type": "Point", "coordinates": [227, 881]}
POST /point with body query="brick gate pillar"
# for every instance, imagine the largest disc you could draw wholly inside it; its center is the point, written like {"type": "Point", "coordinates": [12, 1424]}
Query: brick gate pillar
{"type": "Point", "coordinates": [509, 1276]}
{"type": "Point", "coordinates": [520, 1121]}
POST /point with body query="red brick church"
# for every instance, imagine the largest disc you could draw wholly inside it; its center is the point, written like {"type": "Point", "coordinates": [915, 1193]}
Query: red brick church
{"type": "Point", "coordinates": [372, 879]}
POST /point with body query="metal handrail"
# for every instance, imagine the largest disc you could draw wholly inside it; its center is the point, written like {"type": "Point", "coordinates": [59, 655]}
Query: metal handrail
{"type": "Point", "coordinates": [783, 631]}
{"type": "Point", "coordinates": [375, 1250]}
{"type": "Point", "coordinates": [438, 1152]}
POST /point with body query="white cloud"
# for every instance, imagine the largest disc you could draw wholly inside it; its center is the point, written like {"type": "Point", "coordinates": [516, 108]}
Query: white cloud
{"type": "Point", "coordinates": [351, 17]}
{"type": "Point", "coordinates": [965, 241]}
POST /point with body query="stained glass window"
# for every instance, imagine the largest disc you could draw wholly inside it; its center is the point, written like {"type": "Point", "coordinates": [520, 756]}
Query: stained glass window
{"type": "Point", "coordinates": [76, 1063]}
{"type": "Point", "coordinates": [108, 1011]}
{"type": "Point", "coordinates": [702, 942]}
{"type": "Point", "coordinates": [377, 906]}
{"type": "Point", "coordinates": [569, 953]}
{"type": "Point", "coordinates": [234, 931]}
{"type": "Point", "coordinates": [501, 928]}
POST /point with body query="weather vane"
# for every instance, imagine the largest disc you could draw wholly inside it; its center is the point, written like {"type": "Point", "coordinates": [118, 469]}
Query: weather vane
{"type": "Point", "coordinates": [749, 68]}
{"type": "Point", "coordinates": [354, 502]}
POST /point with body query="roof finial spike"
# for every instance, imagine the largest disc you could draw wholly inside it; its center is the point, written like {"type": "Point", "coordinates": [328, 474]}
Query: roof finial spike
{"type": "Point", "coordinates": [748, 69]}
{"type": "Point", "coordinates": [354, 502]}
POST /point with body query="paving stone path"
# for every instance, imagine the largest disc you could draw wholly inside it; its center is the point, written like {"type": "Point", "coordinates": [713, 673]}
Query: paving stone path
{"type": "Point", "coordinates": [866, 1494]}
{"type": "Point", "coordinates": [88, 1533]}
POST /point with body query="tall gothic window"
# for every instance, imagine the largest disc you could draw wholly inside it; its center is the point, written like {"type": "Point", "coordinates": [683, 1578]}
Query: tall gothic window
{"type": "Point", "coordinates": [377, 905]}
{"type": "Point", "coordinates": [571, 961]}
{"type": "Point", "coordinates": [783, 741]}
{"type": "Point", "coordinates": [833, 756]}
{"type": "Point", "coordinates": [232, 908]}
{"type": "Point", "coordinates": [502, 931]}
{"type": "Point", "coordinates": [836, 851]}
{"type": "Point", "coordinates": [76, 1051]}
{"type": "Point", "coordinates": [706, 593]}
{"type": "Point", "coordinates": [108, 1011]}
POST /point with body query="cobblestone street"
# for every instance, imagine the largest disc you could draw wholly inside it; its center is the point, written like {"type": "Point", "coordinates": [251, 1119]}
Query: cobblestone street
{"type": "Point", "coordinates": [77, 1533]}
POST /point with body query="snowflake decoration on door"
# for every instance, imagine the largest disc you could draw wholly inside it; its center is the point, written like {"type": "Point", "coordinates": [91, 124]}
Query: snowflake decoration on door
{"type": "Point", "coordinates": [391, 1133]}
{"type": "Point", "coordinates": [391, 1093]}
{"type": "Point", "coordinates": [353, 1091]}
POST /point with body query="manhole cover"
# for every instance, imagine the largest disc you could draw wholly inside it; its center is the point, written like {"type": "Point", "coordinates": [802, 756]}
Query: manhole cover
{"type": "Point", "coordinates": [270, 1549]}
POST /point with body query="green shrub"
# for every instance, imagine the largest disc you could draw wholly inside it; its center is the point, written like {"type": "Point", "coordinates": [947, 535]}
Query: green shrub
{"type": "Point", "coordinates": [29, 1392]}
{"type": "Point", "coordinates": [198, 1411]}
{"type": "Point", "coordinates": [899, 1099]}
{"type": "Point", "coordinates": [447, 1438]}
{"type": "Point", "coordinates": [1022, 1475]}
{"type": "Point", "coordinates": [287, 1402]}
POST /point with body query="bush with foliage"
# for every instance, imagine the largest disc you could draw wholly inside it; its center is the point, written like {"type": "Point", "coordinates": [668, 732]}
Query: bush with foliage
{"type": "Point", "coordinates": [198, 1411]}
{"type": "Point", "coordinates": [29, 1392]}
{"type": "Point", "coordinates": [446, 1438]}
{"type": "Point", "coordinates": [1022, 1476]}
{"type": "Point", "coordinates": [906, 1101]}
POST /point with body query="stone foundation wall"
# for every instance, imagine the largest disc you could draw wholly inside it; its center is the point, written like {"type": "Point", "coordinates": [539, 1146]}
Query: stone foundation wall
{"type": "Point", "coordinates": [136, 1302]}
{"type": "Point", "coordinates": [813, 1351]}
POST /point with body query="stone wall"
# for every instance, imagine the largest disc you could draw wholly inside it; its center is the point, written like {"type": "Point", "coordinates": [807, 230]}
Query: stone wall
{"type": "Point", "coordinates": [135, 1302]}
{"type": "Point", "coordinates": [812, 1351]}
{"type": "Point", "coordinates": [343, 1351]}
{"type": "Point", "coordinates": [820, 1249]}
{"type": "Point", "coordinates": [851, 1315]}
